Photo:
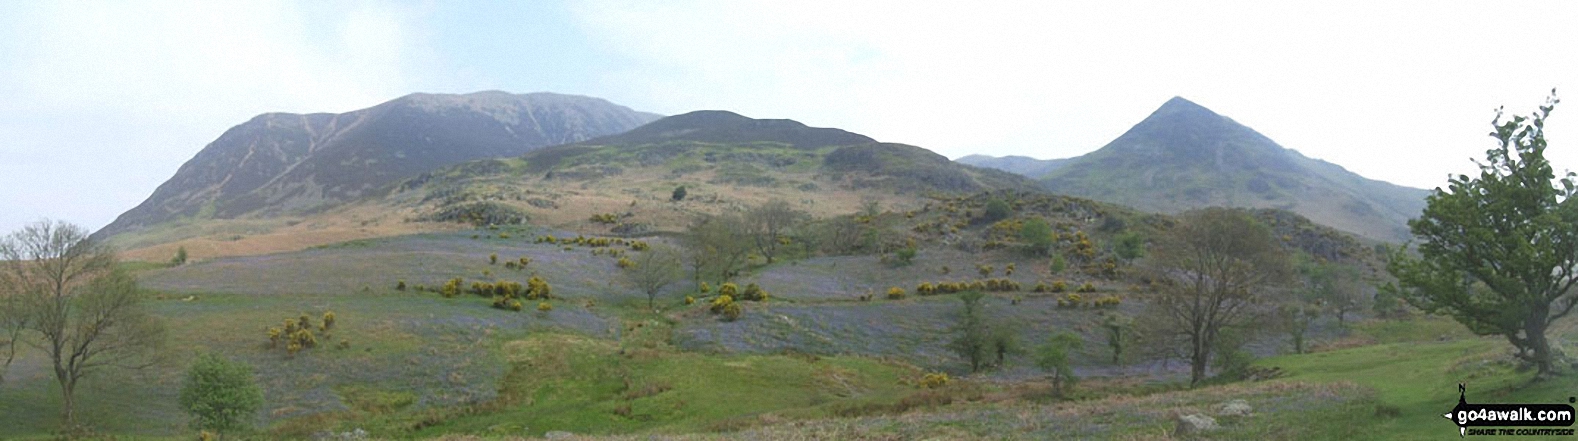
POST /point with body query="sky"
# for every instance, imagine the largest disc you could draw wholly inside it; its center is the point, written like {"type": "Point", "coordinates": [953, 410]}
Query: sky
{"type": "Point", "coordinates": [101, 102]}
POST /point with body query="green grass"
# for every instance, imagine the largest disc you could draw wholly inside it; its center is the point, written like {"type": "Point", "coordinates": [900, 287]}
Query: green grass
{"type": "Point", "coordinates": [1414, 373]}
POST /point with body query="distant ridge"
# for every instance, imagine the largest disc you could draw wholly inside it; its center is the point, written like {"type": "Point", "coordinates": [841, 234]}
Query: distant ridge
{"type": "Point", "coordinates": [1021, 165]}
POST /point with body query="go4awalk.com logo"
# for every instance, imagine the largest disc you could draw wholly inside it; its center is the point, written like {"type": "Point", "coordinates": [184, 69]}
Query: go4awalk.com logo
{"type": "Point", "coordinates": [1510, 419]}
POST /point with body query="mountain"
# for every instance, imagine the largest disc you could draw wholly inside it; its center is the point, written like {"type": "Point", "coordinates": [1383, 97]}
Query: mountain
{"type": "Point", "coordinates": [1020, 165]}
{"type": "Point", "coordinates": [1185, 156]}
{"type": "Point", "coordinates": [281, 163]}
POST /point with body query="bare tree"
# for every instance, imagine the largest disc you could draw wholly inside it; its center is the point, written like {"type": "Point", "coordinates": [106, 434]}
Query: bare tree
{"type": "Point", "coordinates": [768, 223]}
{"type": "Point", "coordinates": [87, 313]}
{"type": "Point", "coordinates": [1215, 263]}
{"type": "Point", "coordinates": [655, 268]}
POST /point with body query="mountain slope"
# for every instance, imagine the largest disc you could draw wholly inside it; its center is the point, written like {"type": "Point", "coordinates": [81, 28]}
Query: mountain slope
{"type": "Point", "coordinates": [281, 163]}
{"type": "Point", "coordinates": [1185, 156]}
{"type": "Point", "coordinates": [1020, 165]}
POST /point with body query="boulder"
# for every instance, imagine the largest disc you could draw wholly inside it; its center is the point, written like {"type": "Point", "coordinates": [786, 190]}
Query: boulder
{"type": "Point", "coordinates": [1192, 424]}
{"type": "Point", "coordinates": [1236, 408]}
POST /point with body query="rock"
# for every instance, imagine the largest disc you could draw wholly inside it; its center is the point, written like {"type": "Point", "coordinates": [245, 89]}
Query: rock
{"type": "Point", "coordinates": [1235, 408]}
{"type": "Point", "coordinates": [1193, 424]}
{"type": "Point", "coordinates": [558, 434]}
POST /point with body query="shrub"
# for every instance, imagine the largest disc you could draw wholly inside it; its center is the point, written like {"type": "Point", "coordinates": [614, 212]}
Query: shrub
{"type": "Point", "coordinates": [997, 209]}
{"type": "Point", "coordinates": [705, 288]}
{"type": "Point", "coordinates": [679, 193]}
{"type": "Point", "coordinates": [933, 380]}
{"type": "Point", "coordinates": [523, 261]}
{"type": "Point", "coordinates": [220, 394]}
{"type": "Point", "coordinates": [1087, 287]}
{"type": "Point", "coordinates": [328, 321]}
{"type": "Point", "coordinates": [718, 303]}
{"type": "Point", "coordinates": [1008, 270]}
{"type": "Point", "coordinates": [538, 289]}
{"type": "Point", "coordinates": [925, 289]}
{"type": "Point", "coordinates": [729, 289]}
{"type": "Point", "coordinates": [304, 338]}
{"type": "Point", "coordinates": [399, 285]}
{"type": "Point", "coordinates": [690, 300]}
{"type": "Point", "coordinates": [985, 270]}
{"type": "Point", "coordinates": [1109, 301]}
{"type": "Point", "coordinates": [1059, 286]}
{"type": "Point", "coordinates": [544, 306]}
{"type": "Point", "coordinates": [605, 218]}
{"type": "Point", "coordinates": [754, 293]}
{"type": "Point", "coordinates": [1041, 287]}
{"type": "Point", "coordinates": [905, 256]}
{"type": "Point", "coordinates": [493, 259]}
{"type": "Point", "coordinates": [451, 288]}
{"type": "Point", "coordinates": [895, 293]}
{"type": "Point", "coordinates": [625, 263]}
{"type": "Point", "coordinates": [274, 337]}
{"type": "Point", "coordinates": [732, 311]}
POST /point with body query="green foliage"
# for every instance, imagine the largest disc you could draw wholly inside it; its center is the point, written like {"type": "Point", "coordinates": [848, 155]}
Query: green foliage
{"type": "Point", "coordinates": [1115, 327]}
{"type": "Point", "coordinates": [1054, 357]}
{"type": "Point", "coordinates": [729, 289]}
{"type": "Point", "coordinates": [1129, 245]}
{"type": "Point", "coordinates": [1499, 251]}
{"type": "Point", "coordinates": [974, 340]}
{"type": "Point", "coordinates": [220, 394]}
{"type": "Point", "coordinates": [1038, 237]}
{"type": "Point", "coordinates": [180, 256]}
{"type": "Point", "coordinates": [538, 289]}
{"type": "Point", "coordinates": [400, 285]}
{"type": "Point", "coordinates": [895, 293]}
{"type": "Point", "coordinates": [493, 259]}
{"type": "Point", "coordinates": [725, 306]}
{"type": "Point", "coordinates": [996, 210]}
{"type": "Point", "coordinates": [679, 194]}
{"type": "Point", "coordinates": [1058, 264]}
{"type": "Point", "coordinates": [605, 218]}
{"type": "Point", "coordinates": [328, 321]}
{"type": "Point", "coordinates": [544, 307]}
{"type": "Point", "coordinates": [904, 256]}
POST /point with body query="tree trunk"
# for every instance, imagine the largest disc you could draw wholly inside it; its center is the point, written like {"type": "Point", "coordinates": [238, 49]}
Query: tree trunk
{"type": "Point", "coordinates": [1534, 332]}
{"type": "Point", "coordinates": [68, 412]}
{"type": "Point", "coordinates": [1197, 362]}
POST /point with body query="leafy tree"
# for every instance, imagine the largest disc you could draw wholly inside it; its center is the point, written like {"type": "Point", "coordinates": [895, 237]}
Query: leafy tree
{"type": "Point", "coordinates": [679, 193]}
{"type": "Point", "coordinates": [1296, 318]}
{"type": "Point", "coordinates": [974, 341]}
{"type": "Point", "coordinates": [1213, 263]}
{"type": "Point", "coordinates": [1499, 251]}
{"type": "Point", "coordinates": [1129, 246]}
{"type": "Point", "coordinates": [1004, 342]}
{"type": "Point", "coordinates": [1337, 287]}
{"type": "Point", "coordinates": [1117, 329]}
{"type": "Point", "coordinates": [996, 210]}
{"type": "Point", "coordinates": [86, 312]}
{"type": "Point", "coordinates": [180, 256]}
{"type": "Point", "coordinates": [1037, 236]}
{"type": "Point", "coordinates": [653, 270]}
{"type": "Point", "coordinates": [1053, 357]}
{"type": "Point", "coordinates": [1058, 264]}
{"type": "Point", "coordinates": [220, 394]}
{"type": "Point", "coordinates": [718, 246]}
{"type": "Point", "coordinates": [768, 224]}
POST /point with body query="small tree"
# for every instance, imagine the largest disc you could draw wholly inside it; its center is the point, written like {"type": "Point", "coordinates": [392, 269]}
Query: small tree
{"type": "Point", "coordinates": [1499, 251]}
{"type": "Point", "coordinates": [1296, 319]}
{"type": "Point", "coordinates": [87, 313]}
{"type": "Point", "coordinates": [220, 394]}
{"type": "Point", "coordinates": [769, 223]}
{"type": "Point", "coordinates": [679, 194]}
{"type": "Point", "coordinates": [974, 341]}
{"type": "Point", "coordinates": [1117, 328]}
{"type": "Point", "coordinates": [997, 209]}
{"type": "Point", "coordinates": [1054, 356]}
{"type": "Point", "coordinates": [653, 270]}
{"type": "Point", "coordinates": [1214, 264]}
{"type": "Point", "coordinates": [180, 256]}
{"type": "Point", "coordinates": [1129, 246]}
{"type": "Point", "coordinates": [1038, 236]}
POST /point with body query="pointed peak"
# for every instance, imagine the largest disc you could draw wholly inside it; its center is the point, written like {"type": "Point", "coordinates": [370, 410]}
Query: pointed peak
{"type": "Point", "coordinates": [1181, 104]}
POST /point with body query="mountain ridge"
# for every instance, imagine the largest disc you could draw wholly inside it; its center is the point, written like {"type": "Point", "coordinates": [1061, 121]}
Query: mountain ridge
{"type": "Point", "coordinates": [1184, 156]}
{"type": "Point", "coordinates": [293, 163]}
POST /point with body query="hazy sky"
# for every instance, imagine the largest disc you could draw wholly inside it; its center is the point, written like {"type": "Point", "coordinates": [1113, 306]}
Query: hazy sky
{"type": "Point", "coordinates": [101, 102]}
